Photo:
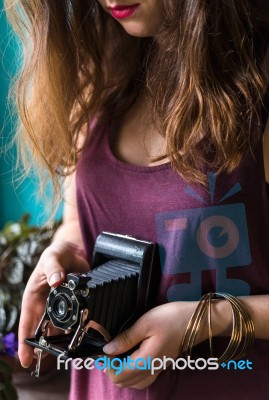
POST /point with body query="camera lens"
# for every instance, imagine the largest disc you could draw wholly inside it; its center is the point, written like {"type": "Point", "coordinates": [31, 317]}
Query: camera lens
{"type": "Point", "coordinates": [61, 307]}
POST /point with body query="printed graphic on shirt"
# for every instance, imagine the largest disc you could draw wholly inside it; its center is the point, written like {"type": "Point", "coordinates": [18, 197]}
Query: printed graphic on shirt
{"type": "Point", "coordinates": [210, 238]}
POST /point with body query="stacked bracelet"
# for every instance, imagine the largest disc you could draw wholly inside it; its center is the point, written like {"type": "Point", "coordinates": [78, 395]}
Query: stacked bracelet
{"type": "Point", "coordinates": [242, 335]}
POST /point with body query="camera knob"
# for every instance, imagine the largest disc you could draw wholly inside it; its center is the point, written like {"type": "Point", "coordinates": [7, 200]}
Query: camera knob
{"type": "Point", "coordinates": [72, 284]}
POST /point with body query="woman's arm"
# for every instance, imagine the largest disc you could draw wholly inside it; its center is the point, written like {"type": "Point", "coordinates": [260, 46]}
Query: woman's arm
{"type": "Point", "coordinates": [160, 331]}
{"type": "Point", "coordinates": [70, 227]}
{"type": "Point", "coordinates": [64, 255]}
{"type": "Point", "coordinates": [68, 235]}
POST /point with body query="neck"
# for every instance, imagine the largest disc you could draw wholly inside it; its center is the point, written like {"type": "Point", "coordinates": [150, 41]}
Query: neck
{"type": "Point", "coordinates": [138, 139]}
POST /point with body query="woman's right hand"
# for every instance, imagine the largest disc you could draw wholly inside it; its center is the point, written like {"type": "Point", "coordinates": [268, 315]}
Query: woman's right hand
{"type": "Point", "coordinates": [55, 262]}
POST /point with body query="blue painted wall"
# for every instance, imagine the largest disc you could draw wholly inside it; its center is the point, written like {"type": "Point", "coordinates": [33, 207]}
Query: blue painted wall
{"type": "Point", "coordinates": [15, 199]}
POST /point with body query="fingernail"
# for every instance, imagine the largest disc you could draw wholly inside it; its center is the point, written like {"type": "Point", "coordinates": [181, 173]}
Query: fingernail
{"type": "Point", "coordinates": [25, 365]}
{"type": "Point", "coordinates": [110, 348]}
{"type": "Point", "coordinates": [55, 278]}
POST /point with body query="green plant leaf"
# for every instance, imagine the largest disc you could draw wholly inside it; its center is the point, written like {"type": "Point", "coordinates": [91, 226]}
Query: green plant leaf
{"type": "Point", "coordinates": [8, 392]}
{"type": "Point", "coordinates": [5, 368]}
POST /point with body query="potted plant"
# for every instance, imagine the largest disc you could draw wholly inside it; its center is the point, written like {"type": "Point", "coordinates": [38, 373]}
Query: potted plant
{"type": "Point", "coordinates": [21, 245]}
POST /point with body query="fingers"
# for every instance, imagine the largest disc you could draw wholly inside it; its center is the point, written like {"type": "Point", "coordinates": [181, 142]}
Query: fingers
{"type": "Point", "coordinates": [54, 263]}
{"type": "Point", "coordinates": [27, 326]}
{"type": "Point", "coordinates": [144, 383]}
{"type": "Point", "coordinates": [54, 272]}
{"type": "Point", "coordinates": [59, 259]}
{"type": "Point", "coordinates": [128, 338]}
{"type": "Point", "coordinates": [155, 339]}
{"type": "Point", "coordinates": [139, 366]}
{"type": "Point", "coordinates": [139, 382]}
{"type": "Point", "coordinates": [51, 267]}
{"type": "Point", "coordinates": [137, 333]}
{"type": "Point", "coordinates": [32, 309]}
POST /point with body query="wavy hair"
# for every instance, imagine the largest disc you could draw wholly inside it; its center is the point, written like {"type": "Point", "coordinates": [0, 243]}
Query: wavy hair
{"type": "Point", "coordinates": [206, 91]}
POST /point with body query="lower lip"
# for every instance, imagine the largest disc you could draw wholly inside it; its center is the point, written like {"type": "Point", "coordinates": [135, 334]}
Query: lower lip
{"type": "Point", "coordinates": [124, 12]}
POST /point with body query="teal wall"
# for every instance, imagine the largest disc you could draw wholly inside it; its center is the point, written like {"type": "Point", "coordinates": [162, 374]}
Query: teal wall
{"type": "Point", "coordinates": [16, 198]}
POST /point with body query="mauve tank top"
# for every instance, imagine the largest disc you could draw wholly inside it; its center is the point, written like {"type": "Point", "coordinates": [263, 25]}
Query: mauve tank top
{"type": "Point", "coordinates": [210, 239]}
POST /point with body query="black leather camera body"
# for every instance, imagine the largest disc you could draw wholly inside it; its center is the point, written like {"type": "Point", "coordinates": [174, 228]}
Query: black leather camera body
{"type": "Point", "coordinates": [94, 307]}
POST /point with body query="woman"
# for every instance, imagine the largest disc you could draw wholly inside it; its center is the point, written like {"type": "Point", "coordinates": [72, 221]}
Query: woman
{"type": "Point", "coordinates": [173, 153]}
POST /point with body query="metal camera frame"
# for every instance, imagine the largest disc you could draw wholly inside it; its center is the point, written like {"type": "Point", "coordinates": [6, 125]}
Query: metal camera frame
{"type": "Point", "coordinates": [89, 337]}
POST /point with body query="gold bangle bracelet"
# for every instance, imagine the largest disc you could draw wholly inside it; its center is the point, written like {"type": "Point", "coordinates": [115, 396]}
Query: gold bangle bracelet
{"type": "Point", "coordinates": [242, 335]}
{"type": "Point", "coordinates": [245, 329]}
{"type": "Point", "coordinates": [193, 326]}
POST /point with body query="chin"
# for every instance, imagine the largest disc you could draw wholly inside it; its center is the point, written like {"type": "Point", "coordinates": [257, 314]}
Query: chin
{"type": "Point", "coordinates": [137, 30]}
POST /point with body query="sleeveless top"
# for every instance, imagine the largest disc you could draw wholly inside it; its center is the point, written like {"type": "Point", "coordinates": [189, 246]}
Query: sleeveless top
{"type": "Point", "coordinates": [210, 239]}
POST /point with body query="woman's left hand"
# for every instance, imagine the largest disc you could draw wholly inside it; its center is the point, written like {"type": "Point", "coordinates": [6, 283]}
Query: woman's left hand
{"type": "Point", "coordinates": [159, 332]}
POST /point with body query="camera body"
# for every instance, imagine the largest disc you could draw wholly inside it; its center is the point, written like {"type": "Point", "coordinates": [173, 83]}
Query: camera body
{"type": "Point", "coordinates": [95, 306]}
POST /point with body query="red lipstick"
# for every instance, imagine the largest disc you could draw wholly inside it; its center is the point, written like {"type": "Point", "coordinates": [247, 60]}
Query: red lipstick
{"type": "Point", "coordinates": [121, 12]}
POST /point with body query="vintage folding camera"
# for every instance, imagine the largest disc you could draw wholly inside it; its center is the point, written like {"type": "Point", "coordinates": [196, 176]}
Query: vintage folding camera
{"type": "Point", "coordinates": [94, 307]}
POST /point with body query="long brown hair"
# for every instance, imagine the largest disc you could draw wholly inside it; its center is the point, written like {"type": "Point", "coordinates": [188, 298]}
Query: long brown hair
{"type": "Point", "coordinates": [203, 73]}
